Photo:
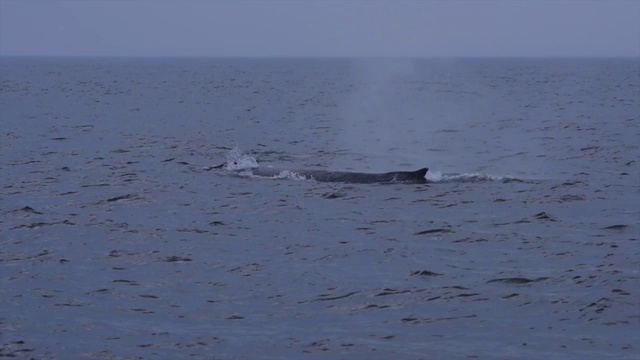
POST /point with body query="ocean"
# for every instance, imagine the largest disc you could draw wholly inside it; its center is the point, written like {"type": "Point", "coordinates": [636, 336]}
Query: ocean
{"type": "Point", "coordinates": [119, 241]}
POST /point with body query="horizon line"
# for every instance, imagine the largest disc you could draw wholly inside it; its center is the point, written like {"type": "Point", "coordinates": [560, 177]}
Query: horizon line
{"type": "Point", "coordinates": [328, 56]}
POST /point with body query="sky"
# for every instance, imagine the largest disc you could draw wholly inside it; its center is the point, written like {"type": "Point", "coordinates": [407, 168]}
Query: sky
{"type": "Point", "coordinates": [320, 28]}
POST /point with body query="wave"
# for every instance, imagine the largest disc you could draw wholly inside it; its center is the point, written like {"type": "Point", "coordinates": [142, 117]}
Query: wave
{"type": "Point", "coordinates": [437, 177]}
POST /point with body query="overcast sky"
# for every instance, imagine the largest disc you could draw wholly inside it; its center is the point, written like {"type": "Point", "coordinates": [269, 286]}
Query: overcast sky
{"type": "Point", "coordinates": [320, 28]}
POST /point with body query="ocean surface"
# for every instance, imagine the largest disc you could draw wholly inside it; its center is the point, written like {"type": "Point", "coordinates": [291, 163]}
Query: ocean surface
{"type": "Point", "coordinates": [118, 240]}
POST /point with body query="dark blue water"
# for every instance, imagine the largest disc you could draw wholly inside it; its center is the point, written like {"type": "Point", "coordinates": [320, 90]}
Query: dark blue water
{"type": "Point", "coordinates": [115, 242]}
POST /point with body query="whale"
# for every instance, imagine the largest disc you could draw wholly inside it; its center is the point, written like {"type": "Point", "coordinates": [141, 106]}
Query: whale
{"type": "Point", "coordinates": [348, 177]}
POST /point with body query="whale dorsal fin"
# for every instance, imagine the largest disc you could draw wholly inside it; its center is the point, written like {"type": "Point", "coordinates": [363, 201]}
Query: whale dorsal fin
{"type": "Point", "coordinates": [421, 173]}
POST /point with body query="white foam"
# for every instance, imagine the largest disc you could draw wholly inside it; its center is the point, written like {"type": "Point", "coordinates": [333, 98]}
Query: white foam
{"type": "Point", "coordinates": [433, 176]}
{"type": "Point", "coordinates": [236, 161]}
{"type": "Point", "coordinates": [290, 175]}
{"type": "Point", "coordinates": [437, 176]}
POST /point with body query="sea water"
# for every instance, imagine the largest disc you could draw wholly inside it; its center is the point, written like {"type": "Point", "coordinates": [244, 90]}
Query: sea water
{"type": "Point", "coordinates": [115, 242]}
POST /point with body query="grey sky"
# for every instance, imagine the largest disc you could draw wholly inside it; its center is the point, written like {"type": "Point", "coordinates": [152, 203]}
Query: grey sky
{"type": "Point", "coordinates": [323, 28]}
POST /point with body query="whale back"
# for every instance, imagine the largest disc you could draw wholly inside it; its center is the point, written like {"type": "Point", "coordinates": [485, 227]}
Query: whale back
{"type": "Point", "coordinates": [417, 177]}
